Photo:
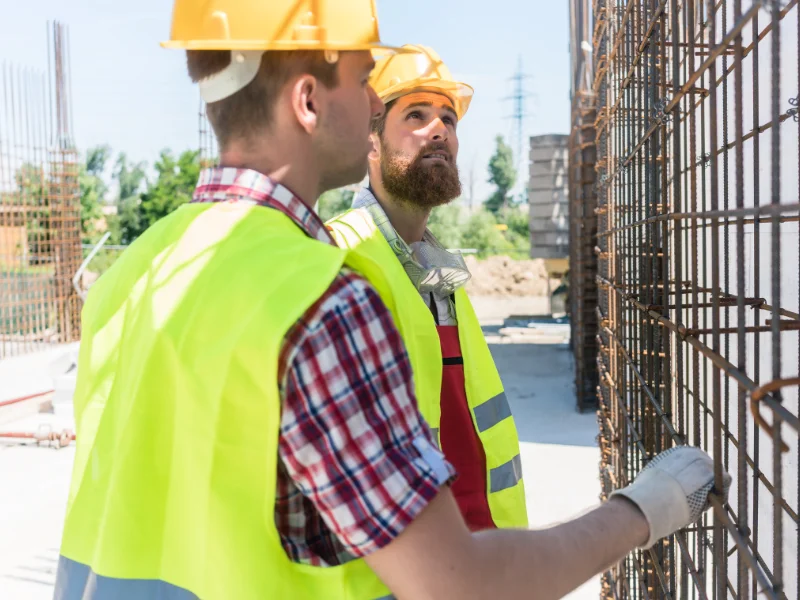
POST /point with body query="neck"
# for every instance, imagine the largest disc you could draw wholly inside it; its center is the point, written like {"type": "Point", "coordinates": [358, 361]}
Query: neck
{"type": "Point", "coordinates": [409, 221]}
{"type": "Point", "coordinates": [283, 162]}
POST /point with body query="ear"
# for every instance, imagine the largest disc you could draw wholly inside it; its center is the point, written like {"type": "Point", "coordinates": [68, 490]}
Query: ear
{"type": "Point", "coordinates": [306, 102]}
{"type": "Point", "coordinates": [375, 153]}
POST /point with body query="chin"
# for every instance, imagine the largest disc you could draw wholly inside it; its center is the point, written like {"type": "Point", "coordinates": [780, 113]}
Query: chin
{"type": "Point", "coordinates": [440, 167]}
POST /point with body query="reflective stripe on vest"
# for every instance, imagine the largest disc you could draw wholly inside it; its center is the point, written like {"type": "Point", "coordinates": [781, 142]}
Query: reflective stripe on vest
{"type": "Point", "coordinates": [507, 475]}
{"type": "Point", "coordinates": [177, 412]}
{"type": "Point", "coordinates": [491, 412]}
{"type": "Point", "coordinates": [493, 420]}
{"type": "Point", "coordinates": [74, 580]}
{"type": "Point", "coordinates": [489, 404]}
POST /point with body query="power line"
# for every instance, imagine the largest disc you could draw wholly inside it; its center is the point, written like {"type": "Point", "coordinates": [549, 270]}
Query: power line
{"type": "Point", "coordinates": [518, 98]}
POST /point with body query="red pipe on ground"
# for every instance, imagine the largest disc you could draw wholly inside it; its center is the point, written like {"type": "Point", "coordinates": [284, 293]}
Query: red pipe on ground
{"type": "Point", "coordinates": [23, 398]}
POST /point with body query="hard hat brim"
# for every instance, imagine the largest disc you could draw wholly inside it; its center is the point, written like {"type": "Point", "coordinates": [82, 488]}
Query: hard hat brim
{"type": "Point", "coordinates": [378, 50]}
{"type": "Point", "coordinates": [459, 93]}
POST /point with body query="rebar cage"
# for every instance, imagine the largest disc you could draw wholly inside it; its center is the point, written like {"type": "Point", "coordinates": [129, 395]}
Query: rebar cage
{"type": "Point", "coordinates": [698, 241]}
{"type": "Point", "coordinates": [40, 207]}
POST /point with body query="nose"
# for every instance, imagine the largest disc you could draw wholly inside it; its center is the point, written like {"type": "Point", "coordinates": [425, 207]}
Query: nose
{"type": "Point", "coordinates": [438, 131]}
{"type": "Point", "coordinates": [375, 104]}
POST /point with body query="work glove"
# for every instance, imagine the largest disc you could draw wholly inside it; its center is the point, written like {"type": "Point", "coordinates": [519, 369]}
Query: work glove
{"type": "Point", "coordinates": [672, 490]}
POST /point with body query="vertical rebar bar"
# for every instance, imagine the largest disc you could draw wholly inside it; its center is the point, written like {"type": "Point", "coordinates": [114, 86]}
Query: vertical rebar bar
{"type": "Point", "coordinates": [777, 567]}
{"type": "Point", "coordinates": [741, 342]}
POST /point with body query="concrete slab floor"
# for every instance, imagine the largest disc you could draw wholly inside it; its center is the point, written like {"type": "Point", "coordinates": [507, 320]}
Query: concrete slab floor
{"type": "Point", "coordinates": [559, 453]}
{"type": "Point", "coordinates": [560, 456]}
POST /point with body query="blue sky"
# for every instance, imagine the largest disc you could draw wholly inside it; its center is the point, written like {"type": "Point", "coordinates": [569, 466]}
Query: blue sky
{"type": "Point", "coordinates": [132, 94]}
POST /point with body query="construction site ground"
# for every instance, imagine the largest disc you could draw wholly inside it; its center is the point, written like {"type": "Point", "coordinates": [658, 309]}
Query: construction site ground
{"type": "Point", "coordinates": [559, 453]}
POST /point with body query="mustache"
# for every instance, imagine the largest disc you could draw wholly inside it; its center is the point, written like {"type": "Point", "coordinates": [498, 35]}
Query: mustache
{"type": "Point", "coordinates": [434, 147]}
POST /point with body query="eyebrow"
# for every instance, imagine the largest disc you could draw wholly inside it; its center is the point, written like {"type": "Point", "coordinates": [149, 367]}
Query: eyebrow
{"type": "Point", "coordinates": [430, 105]}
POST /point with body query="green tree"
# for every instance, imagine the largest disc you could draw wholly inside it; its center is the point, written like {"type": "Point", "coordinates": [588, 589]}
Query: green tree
{"type": "Point", "coordinates": [127, 225]}
{"type": "Point", "coordinates": [174, 185]}
{"type": "Point", "coordinates": [93, 190]}
{"type": "Point", "coordinates": [130, 180]}
{"type": "Point", "coordinates": [517, 221]}
{"type": "Point", "coordinates": [91, 199]}
{"type": "Point", "coordinates": [96, 159]}
{"type": "Point", "coordinates": [446, 224]}
{"type": "Point", "coordinates": [502, 174]}
{"type": "Point", "coordinates": [482, 234]}
{"type": "Point", "coordinates": [130, 177]}
{"type": "Point", "coordinates": [518, 232]}
{"type": "Point", "coordinates": [333, 203]}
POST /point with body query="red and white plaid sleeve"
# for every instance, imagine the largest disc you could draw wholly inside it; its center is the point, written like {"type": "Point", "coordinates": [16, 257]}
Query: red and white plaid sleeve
{"type": "Point", "coordinates": [352, 438]}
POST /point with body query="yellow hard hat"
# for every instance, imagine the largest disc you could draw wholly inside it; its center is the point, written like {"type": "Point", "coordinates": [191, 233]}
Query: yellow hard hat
{"type": "Point", "coordinates": [274, 25]}
{"type": "Point", "coordinates": [417, 69]}
{"type": "Point", "coordinates": [248, 28]}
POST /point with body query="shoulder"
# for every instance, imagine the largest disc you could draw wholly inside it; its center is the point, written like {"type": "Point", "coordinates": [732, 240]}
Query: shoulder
{"type": "Point", "coordinates": [352, 227]}
{"type": "Point", "coordinates": [348, 295]}
{"type": "Point", "coordinates": [350, 311]}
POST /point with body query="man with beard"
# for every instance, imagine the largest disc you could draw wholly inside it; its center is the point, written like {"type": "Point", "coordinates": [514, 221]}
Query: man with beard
{"type": "Point", "coordinates": [412, 169]}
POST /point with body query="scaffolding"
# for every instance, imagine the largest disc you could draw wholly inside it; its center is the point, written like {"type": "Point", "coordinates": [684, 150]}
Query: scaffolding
{"type": "Point", "coordinates": [40, 209]}
{"type": "Point", "coordinates": [697, 246]}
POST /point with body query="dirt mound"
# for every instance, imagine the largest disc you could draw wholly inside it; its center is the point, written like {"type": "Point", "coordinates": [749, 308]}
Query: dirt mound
{"type": "Point", "coordinates": [503, 276]}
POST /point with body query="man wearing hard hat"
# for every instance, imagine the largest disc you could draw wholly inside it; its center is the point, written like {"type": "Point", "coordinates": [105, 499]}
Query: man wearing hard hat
{"type": "Point", "coordinates": [413, 170]}
{"type": "Point", "coordinates": [247, 422]}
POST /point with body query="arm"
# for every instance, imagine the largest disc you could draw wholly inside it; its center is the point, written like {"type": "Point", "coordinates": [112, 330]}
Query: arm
{"type": "Point", "coordinates": [436, 557]}
{"type": "Point", "coordinates": [351, 432]}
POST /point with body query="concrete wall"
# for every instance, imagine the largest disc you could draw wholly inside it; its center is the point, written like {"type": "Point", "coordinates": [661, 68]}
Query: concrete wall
{"type": "Point", "coordinates": [548, 196]}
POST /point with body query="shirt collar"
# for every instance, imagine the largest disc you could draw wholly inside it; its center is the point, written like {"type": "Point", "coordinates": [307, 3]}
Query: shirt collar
{"type": "Point", "coordinates": [427, 263]}
{"type": "Point", "coordinates": [229, 184]}
{"type": "Point", "coordinates": [366, 199]}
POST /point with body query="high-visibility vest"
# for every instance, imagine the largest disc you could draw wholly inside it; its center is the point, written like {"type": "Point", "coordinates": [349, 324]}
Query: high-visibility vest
{"type": "Point", "coordinates": [487, 401]}
{"type": "Point", "coordinates": [178, 412]}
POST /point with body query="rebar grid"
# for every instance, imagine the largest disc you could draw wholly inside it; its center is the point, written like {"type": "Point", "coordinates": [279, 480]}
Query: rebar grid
{"type": "Point", "coordinates": [697, 246]}
{"type": "Point", "coordinates": [40, 218]}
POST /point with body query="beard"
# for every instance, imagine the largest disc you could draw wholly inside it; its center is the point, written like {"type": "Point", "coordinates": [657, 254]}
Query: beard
{"type": "Point", "coordinates": [413, 182]}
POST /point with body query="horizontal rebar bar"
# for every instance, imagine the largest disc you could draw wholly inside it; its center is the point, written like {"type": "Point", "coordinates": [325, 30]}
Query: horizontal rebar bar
{"type": "Point", "coordinates": [717, 359]}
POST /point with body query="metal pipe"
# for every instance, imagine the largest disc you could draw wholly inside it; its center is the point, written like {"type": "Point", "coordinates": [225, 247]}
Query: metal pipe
{"type": "Point", "coordinates": [61, 438]}
{"type": "Point", "coordinates": [4, 403]}
{"type": "Point", "coordinates": [77, 277]}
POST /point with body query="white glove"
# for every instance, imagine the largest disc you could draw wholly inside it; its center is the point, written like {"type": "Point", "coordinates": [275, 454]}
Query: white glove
{"type": "Point", "coordinates": [672, 490]}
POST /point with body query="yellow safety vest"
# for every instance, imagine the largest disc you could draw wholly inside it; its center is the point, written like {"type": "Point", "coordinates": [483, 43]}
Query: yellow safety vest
{"type": "Point", "coordinates": [178, 412]}
{"type": "Point", "coordinates": [488, 404]}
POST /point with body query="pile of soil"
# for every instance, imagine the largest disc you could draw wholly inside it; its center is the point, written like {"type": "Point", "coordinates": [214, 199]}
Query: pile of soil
{"type": "Point", "coordinates": [504, 276]}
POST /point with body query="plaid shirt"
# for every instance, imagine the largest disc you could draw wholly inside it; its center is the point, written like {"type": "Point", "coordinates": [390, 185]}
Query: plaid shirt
{"type": "Point", "coordinates": [356, 463]}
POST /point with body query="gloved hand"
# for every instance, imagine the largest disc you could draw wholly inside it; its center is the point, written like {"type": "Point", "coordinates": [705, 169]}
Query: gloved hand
{"type": "Point", "coordinates": [672, 490]}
